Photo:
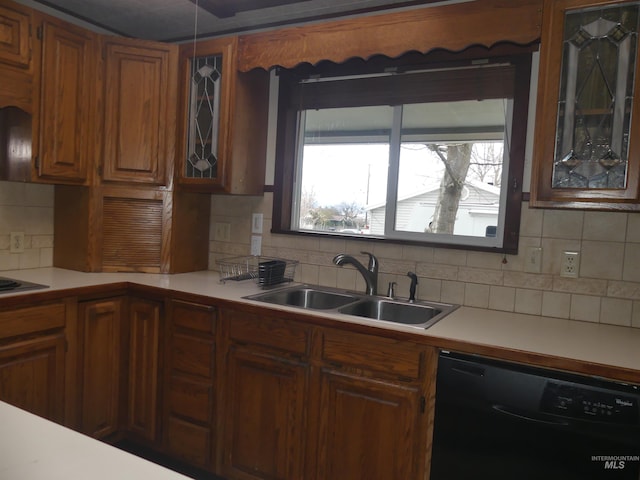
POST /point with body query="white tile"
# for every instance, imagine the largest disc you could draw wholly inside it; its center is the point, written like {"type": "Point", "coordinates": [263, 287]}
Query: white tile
{"type": "Point", "coordinates": [605, 226]}
{"type": "Point", "coordinates": [528, 301]}
{"type": "Point", "coordinates": [556, 304]}
{"type": "Point", "coordinates": [616, 311]}
{"type": "Point", "coordinates": [585, 307]}
{"type": "Point", "coordinates": [502, 298]}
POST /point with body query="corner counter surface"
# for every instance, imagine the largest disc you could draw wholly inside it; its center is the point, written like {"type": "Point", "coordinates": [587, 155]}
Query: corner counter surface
{"type": "Point", "coordinates": [607, 345]}
{"type": "Point", "coordinates": [33, 448]}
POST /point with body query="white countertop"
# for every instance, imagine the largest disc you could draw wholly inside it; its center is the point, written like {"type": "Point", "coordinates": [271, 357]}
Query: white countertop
{"type": "Point", "coordinates": [32, 448]}
{"type": "Point", "coordinates": [608, 345]}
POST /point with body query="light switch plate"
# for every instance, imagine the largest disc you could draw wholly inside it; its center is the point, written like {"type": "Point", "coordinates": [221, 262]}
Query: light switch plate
{"type": "Point", "coordinates": [533, 260]}
{"type": "Point", "coordinates": [256, 223]}
{"type": "Point", "coordinates": [256, 245]}
{"type": "Point", "coordinates": [17, 242]}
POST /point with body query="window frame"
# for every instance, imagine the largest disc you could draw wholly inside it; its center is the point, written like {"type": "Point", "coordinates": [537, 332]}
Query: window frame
{"type": "Point", "coordinates": [287, 132]}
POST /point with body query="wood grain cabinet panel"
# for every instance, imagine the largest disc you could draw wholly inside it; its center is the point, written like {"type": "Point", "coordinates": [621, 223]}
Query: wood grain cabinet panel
{"type": "Point", "coordinates": [189, 392]}
{"type": "Point", "coordinates": [100, 331]}
{"type": "Point", "coordinates": [15, 36]}
{"type": "Point", "coordinates": [139, 119]}
{"type": "Point", "coordinates": [368, 429]}
{"type": "Point", "coordinates": [32, 358]}
{"type": "Point", "coordinates": [67, 80]}
{"type": "Point", "coordinates": [264, 434]}
{"type": "Point", "coordinates": [144, 368]}
{"type": "Point", "coordinates": [32, 375]}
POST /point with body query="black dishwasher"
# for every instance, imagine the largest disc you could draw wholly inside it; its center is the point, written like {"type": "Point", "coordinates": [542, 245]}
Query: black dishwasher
{"type": "Point", "coordinates": [504, 421]}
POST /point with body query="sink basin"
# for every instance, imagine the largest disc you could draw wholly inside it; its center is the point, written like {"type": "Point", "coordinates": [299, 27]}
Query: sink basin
{"type": "Point", "coordinates": [307, 297]}
{"type": "Point", "coordinates": [418, 314]}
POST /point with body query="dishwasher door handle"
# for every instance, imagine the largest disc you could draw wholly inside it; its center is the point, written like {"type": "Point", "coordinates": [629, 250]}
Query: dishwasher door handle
{"type": "Point", "coordinates": [528, 417]}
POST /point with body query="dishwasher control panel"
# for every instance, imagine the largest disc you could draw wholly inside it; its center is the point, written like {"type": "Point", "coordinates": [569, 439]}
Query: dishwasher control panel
{"type": "Point", "coordinates": [582, 402]}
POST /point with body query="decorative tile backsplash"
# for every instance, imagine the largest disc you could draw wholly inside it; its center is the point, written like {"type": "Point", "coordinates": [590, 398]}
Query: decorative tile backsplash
{"type": "Point", "coordinates": [26, 208]}
{"type": "Point", "coordinates": [607, 289]}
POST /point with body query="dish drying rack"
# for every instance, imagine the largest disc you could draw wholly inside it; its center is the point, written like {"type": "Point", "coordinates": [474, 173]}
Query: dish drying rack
{"type": "Point", "coordinates": [266, 271]}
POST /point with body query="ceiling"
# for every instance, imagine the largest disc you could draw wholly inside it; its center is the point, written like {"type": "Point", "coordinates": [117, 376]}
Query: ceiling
{"type": "Point", "coordinates": [175, 20]}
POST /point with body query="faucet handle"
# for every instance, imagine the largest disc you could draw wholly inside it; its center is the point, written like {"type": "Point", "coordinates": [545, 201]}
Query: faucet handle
{"type": "Point", "coordinates": [391, 292]}
{"type": "Point", "coordinates": [373, 262]}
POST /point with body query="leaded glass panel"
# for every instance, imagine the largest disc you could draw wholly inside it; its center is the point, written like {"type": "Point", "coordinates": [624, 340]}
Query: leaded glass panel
{"type": "Point", "coordinates": [204, 117]}
{"type": "Point", "coordinates": [596, 95]}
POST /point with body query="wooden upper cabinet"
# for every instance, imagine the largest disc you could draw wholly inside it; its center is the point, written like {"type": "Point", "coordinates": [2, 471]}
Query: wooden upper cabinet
{"type": "Point", "coordinates": [16, 60]}
{"type": "Point", "coordinates": [224, 117]}
{"type": "Point", "coordinates": [15, 35]}
{"type": "Point", "coordinates": [66, 116]}
{"type": "Point", "coordinates": [587, 136]}
{"type": "Point", "coordinates": [139, 118]}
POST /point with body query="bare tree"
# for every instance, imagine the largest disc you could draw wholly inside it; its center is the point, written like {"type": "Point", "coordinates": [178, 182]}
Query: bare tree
{"type": "Point", "coordinates": [456, 159]}
{"type": "Point", "coordinates": [486, 162]}
{"type": "Point", "coordinates": [349, 212]}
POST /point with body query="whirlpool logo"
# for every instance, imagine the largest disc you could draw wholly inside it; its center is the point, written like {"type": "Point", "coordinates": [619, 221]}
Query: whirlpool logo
{"type": "Point", "coordinates": [615, 462]}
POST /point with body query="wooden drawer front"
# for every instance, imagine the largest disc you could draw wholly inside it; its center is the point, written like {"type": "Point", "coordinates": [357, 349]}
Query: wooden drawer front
{"type": "Point", "coordinates": [190, 399]}
{"type": "Point", "coordinates": [189, 442]}
{"type": "Point", "coordinates": [192, 316]}
{"type": "Point", "coordinates": [192, 356]}
{"type": "Point", "coordinates": [267, 331]}
{"type": "Point", "coordinates": [372, 353]}
{"type": "Point", "coordinates": [32, 319]}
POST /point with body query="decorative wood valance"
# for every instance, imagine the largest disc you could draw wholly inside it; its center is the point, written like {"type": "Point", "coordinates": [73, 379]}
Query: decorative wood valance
{"type": "Point", "coordinates": [451, 27]}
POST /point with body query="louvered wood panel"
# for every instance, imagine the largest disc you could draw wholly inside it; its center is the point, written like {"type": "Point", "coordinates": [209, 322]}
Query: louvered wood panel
{"type": "Point", "coordinates": [132, 232]}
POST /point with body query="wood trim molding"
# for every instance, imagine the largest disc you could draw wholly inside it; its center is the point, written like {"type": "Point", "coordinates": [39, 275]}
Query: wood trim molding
{"type": "Point", "coordinates": [452, 27]}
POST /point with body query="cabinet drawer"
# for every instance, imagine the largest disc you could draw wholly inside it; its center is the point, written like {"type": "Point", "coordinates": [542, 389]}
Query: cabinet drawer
{"type": "Point", "coordinates": [193, 356]}
{"type": "Point", "coordinates": [190, 399]}
{"type": "Point", "coordinates": [189, 442]}
{"type": "Point", "coordinates": [399, 358]}
{"type": "Point", "coordinates": [192, 316]}
{"type": "Point", "coordinates": [267, 331]}
{"type": "Point", "coordinates": [27, 320]}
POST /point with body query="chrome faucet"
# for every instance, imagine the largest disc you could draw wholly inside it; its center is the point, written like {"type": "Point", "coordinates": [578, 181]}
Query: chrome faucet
{"type": "Point", "coordinates": [370, 273]}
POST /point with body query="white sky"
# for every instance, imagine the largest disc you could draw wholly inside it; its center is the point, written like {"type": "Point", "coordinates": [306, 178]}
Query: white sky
{"type": "Point", "coordinates": [339, 173]}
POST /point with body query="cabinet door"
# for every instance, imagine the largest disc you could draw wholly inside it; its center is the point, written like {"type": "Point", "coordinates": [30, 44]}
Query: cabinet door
{"type": "Point", "coordinates": [139, 121]}
{"type": "Point", "coordinates": [587, 137]}
{"type": "Point", "coordinates": [15, 40]}
{"type": "Point", "coordinates": [100, 330]}
{"type": "Point", "coordinates": [264, 419]}
{"type": "Point", "coordinates": [67, 79]}
{"type": "Point", "coordinates": [32, 375]}
{"type": "Point", "coordinates": [223, 137]}
{"type": "Point", "coordinates": [368, 429]}
{"type": "Point", "coordinates": [144, 371]}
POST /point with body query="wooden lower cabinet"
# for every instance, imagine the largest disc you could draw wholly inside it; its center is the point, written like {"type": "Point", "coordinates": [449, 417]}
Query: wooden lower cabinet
{"type": "Point", "coordinates": [32, 375]}
{"type": "Point", "coordinates": [100, 330]}
{"type": "Point", "coordinates": [368, 429]}
{"type": "Point", "coordinates": [32, 358]}
{"type": "Point", "coordinates": [144, 329]}
{"type": "Point", "coordinates": [189, 422]}
{"type": "Point", "coordinates": [265, 416]}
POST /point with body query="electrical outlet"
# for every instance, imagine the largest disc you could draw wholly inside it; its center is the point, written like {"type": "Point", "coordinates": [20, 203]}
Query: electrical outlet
{"type": "Point", "coordinates": [570, 264]}
{"type": "Point", "coordinates": [222, 232]}
{"type": "Point", "coordinates": [533, 260]}
{"type": "Point", "coordinates": [17, 242]}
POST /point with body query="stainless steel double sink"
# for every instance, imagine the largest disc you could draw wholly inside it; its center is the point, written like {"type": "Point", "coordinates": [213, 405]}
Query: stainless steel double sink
{"type": "Point", "coordinates": [311, 297]}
